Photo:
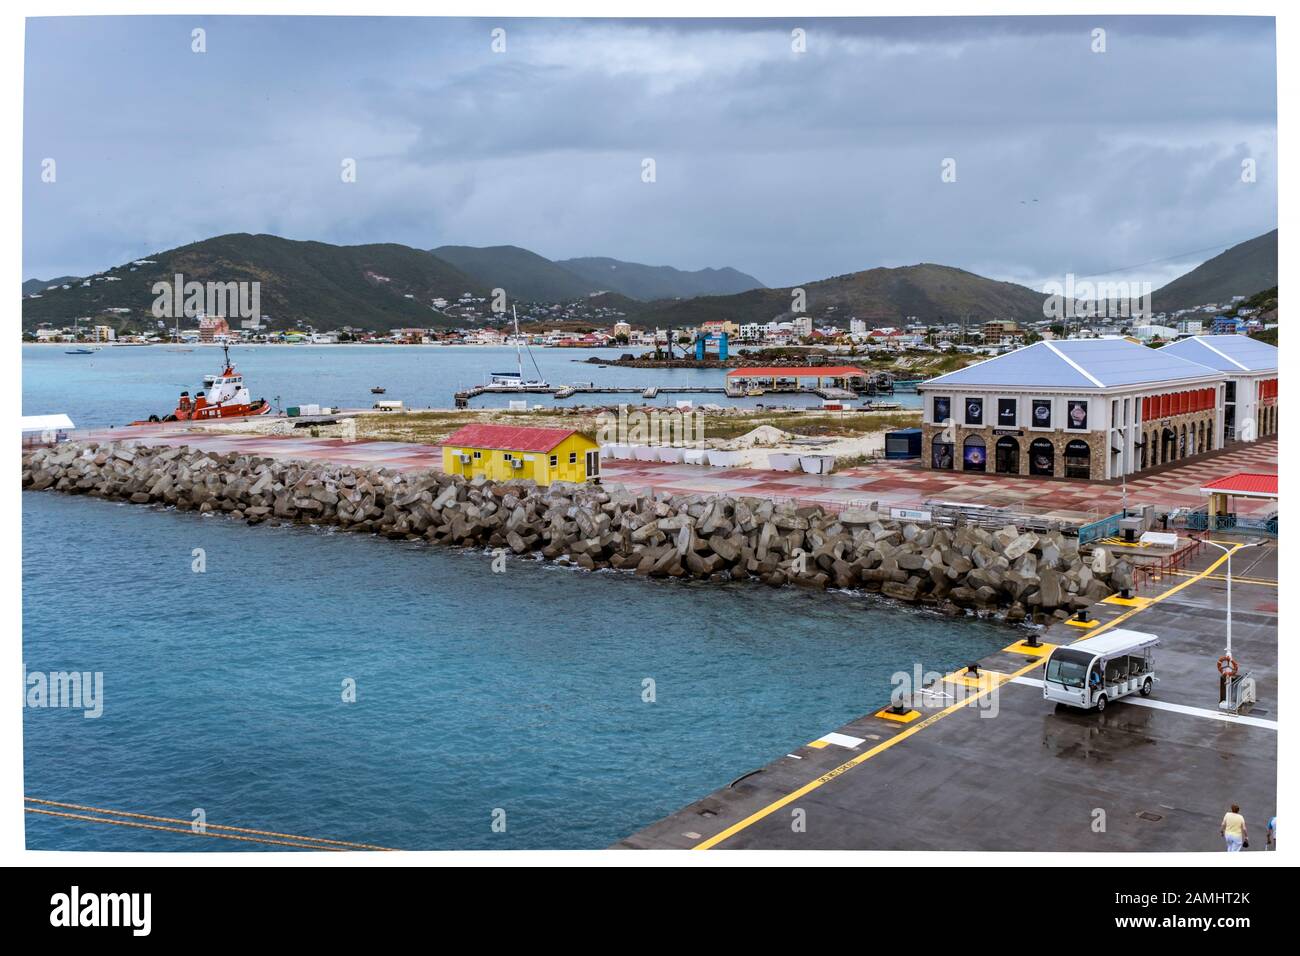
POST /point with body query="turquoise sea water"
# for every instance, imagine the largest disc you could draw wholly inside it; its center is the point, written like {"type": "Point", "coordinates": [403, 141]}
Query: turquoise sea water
{"type": "Point", "coordinates": [121, 384]}
{"type": "Point", "coordinates": [475, 691]}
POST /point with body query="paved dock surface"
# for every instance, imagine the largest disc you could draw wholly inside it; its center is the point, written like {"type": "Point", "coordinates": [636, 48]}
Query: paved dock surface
{"type": "Point", "coordinates": [890, 483]}
{"type": "Point", "coordinates": [1154, 774]}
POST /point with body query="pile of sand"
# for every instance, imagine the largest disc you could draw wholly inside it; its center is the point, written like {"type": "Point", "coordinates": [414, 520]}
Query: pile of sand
{"type": "Point", "coordinates": [764, 436]}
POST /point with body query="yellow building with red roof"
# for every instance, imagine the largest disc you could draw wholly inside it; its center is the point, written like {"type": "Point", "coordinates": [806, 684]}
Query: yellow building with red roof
{"type": "Point", "coordinates": [506, 452]}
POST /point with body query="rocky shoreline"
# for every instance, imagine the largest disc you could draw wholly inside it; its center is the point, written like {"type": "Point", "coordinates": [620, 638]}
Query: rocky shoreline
{"type": "Point", "coordinates": [960, 570]}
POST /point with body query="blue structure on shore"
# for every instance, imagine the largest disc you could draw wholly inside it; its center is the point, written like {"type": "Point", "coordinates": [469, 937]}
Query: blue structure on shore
{"type": "Point", "coordinates": [701, 345]}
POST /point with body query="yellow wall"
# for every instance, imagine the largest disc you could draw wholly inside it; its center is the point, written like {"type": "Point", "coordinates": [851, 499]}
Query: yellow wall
{"type": "Point", "coordinates": [492, 463]}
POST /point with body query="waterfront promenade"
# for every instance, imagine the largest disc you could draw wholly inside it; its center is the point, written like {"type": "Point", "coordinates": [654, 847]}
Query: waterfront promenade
{"type": "Point", "coordinates": [1146, 775]}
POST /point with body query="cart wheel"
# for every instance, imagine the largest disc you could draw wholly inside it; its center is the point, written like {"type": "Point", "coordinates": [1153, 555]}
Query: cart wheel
{"type": "Point", "coordinates": [1101, 703]}
{"type": "Point", "coordinates": [1146, 687]}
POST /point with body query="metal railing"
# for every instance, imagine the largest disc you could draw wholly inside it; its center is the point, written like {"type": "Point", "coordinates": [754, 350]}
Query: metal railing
{"type": "Point", "coordinates": [1149, 571]}
{"type": "Point", "coordinates": [1107, 527]}
{"type": "Point", "coordinates": [1251, 524]}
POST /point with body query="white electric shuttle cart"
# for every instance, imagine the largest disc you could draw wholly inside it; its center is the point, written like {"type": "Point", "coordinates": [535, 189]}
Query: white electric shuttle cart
{"type": "Point", "coordinates": [1098, 670]}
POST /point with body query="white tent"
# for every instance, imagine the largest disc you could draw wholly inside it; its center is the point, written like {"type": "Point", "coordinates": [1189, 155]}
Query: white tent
{"type": "Point", "coordinates": [45, 423]}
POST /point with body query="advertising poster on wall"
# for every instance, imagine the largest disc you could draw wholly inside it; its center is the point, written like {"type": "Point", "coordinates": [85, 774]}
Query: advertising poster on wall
{"type": "Point", "coordinates": [1042, 413]}
{"type": "Point", "coordinates": [1006, 412]}
{"type": "Point", "coordinates": [974, 411]}
{"type": "Point", "coordinates": [1077, 414]}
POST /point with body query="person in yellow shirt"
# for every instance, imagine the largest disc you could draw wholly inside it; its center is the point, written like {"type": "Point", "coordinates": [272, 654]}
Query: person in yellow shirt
{"type": "Point", "coordinates": [1233, 830]}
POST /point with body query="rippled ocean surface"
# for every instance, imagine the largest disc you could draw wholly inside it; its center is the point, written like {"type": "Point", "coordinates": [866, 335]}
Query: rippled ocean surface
{"type": "Point", "coordinates": [119, 384]}
{"type": "Point", "coordinates": [475, 692]}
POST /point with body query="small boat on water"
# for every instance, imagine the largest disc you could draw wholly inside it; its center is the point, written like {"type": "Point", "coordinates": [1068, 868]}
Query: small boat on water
{"type": "Point", "coordinates": [90, 351]}
{"type": "Point", "coordinates": [378, 390]}
{"type": "Point", "coordinates": [223, 396]}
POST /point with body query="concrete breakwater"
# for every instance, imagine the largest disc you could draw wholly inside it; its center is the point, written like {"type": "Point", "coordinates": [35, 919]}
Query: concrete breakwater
{"type": "Point", "coordinates": [962, 569]}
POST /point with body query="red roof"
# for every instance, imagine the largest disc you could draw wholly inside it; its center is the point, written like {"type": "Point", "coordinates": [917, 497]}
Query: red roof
{"type": "Point", "coordinates": [1244, 483]}
{"type": "Point", "coordinates": [822, 371]}
{"type": "Point", "coordinates": [508, 437]}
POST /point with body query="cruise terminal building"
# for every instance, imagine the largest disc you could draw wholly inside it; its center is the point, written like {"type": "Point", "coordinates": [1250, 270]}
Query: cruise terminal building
{"type": "Point", "coordinates": [1092, 409]}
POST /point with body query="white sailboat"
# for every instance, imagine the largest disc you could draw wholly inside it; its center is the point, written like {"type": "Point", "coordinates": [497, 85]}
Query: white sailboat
{"type": "Point", "coordinates": [501, 381]}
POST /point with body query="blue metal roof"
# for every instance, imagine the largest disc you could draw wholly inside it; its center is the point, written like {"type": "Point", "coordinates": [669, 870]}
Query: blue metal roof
{"type": "Point", "coordinates": [1077, 363]}
{"type": "Point", "coordinates": [1228, 353]}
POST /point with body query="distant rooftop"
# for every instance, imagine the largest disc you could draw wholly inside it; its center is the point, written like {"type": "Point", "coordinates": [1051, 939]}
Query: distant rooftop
{"type": "Point", "coordinates": [808, 371]}
{"type": "Point", "coordinates": [1228, 353]}
{"type": "Point", "coordinates": [1244, 483]}
{"type": "Point", "coordinates": [508, 437]}
{"type": "Point", "coordinates": [1078, 363]}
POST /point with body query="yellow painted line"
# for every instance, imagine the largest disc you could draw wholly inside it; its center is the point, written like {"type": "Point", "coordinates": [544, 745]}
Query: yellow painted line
{"type": "Point", "coordinates": [1042, 650]}
{"type": "Point", "coordinates": [1086, 625]}
{"type": "Point", "coordinates": [1237, 578]}
{"type": "Point", "coordinates": [906, 718]}
{"type": "Point", "coordinates": [918, 727]}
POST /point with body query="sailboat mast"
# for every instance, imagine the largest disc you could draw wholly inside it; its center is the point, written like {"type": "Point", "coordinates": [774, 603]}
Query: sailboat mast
{"type": "Point", "coordinates": [519, 355]}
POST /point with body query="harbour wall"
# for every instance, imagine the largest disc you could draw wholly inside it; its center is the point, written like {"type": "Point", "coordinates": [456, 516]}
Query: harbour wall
{"type": "Point", "coordinates": [1018, 576]}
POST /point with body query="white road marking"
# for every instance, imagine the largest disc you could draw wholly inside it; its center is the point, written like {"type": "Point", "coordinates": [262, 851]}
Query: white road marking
{"type": "Point", "coordinates": [1172, 708]}
{"type": "Point", "coordinates": [842, 740]}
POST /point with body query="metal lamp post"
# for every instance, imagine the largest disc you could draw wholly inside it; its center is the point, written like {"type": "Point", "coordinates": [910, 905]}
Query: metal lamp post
{"type": "Point", "coordinates": [1229, 551]}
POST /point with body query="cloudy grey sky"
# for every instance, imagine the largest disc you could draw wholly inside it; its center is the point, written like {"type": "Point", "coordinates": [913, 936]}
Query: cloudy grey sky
{"type": "Point", "coordinates": [789, 166]}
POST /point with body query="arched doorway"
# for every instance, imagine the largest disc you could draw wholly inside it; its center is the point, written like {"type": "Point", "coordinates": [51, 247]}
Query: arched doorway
{"type": "Point", "coordinates": [1042, 458]}
{"type": "Point", "coordinates": [1200, 438]}
{"type": "Point", "coordinates": [974, 455]}
{"type": "Point", "coordinates": [1168, 445]}
{"type": "Point", "coordinates": [1006, 456]}
{"type": "Point", "coordinates": [1182, 442]}
{"type": "Point", "coordinates": [1144, 443]}
{"type": "Point", "coordinates": [1078, 459]}
{"type": "Point", "coordinates": [941, 452]}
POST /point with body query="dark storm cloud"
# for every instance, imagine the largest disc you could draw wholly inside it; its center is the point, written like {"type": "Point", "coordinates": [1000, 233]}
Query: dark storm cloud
{"type": "Point", "coordinates": [790, 166]}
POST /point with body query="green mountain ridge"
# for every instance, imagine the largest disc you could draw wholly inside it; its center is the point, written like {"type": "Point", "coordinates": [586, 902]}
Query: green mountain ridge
{"type": "Point", "coordinates": [647, 283]}
{"type": "Point", "coordinates": [528, 277]}
{"type": "Point", "coordinates": [41, 286]}
{"type": "Point", "coordinates": [302, 282]}
{"type": "Point", "coordinates": [1244, 269]}
{"type": "Point", "coordinates": [880, 296]}
{"type": "Point", "coordinates": [524, 275]}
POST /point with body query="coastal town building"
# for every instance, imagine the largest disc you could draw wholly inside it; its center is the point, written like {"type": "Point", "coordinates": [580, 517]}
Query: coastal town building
{"type": "Point", "coordinates": [1076, 408]}
{"type": "Point", "coordinates": [1250, 369]}
{"type": "Point", "coordinates": [505, 452]}
{"type": "Point", "coordinates": [212, 327]}
{"type": "Point", "coordinates": [1002, 332]}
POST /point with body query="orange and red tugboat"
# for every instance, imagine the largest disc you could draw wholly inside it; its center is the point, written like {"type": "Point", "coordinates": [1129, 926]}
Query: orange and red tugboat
{"type": "Point", "coordinates": [223, 396]}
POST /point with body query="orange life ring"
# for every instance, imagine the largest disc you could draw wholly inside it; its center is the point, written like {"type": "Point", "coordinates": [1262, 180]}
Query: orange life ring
{"type": "Point", "coordinates": [1227, 666]}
